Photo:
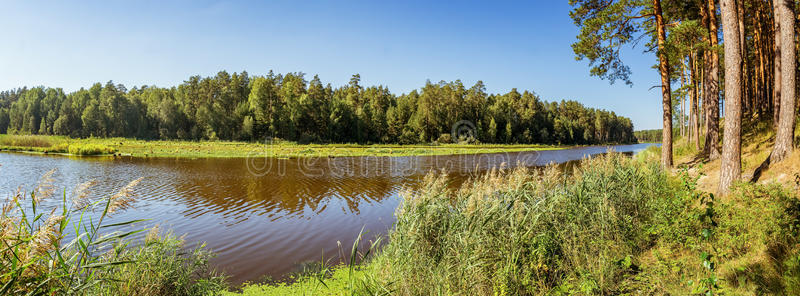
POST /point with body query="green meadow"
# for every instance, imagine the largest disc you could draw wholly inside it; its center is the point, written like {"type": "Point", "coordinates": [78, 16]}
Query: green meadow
{"type": "Point", "coordinates": [201, 149]}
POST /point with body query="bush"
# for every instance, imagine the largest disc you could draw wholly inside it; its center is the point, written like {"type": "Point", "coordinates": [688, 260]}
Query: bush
{"type": "Point", "coordinates": [90, 149]}
{"type": "Point", "coordinates": [58, 148]}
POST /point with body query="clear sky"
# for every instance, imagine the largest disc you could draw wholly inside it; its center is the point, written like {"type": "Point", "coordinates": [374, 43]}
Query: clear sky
{"type": "Point", "coordinates": [399, 44]}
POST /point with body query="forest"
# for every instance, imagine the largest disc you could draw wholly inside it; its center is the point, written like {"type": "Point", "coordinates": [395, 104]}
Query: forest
{"type": "Point", "coordinates": [648, 136]}
{"type": "Point", "coordinates": [686, 35]}
{"type": "Point", "coordinates": [250, 108]}
{"type": "Point", "coordinates": [674, 219]}
{"type": "Point", "coordinates": [735, 60]}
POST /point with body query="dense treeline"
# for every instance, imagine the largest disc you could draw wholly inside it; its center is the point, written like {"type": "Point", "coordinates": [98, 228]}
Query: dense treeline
{"type": "Point", "coordinates": [648, 136]}
{"type": "Point", "coordinates": [242, 107]}
{"type": "Point", "coordinates": [739, 57]}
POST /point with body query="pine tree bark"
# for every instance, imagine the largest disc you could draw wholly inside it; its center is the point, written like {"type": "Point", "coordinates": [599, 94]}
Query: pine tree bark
{"type": "Point", "coordinates": [743, 83]}
{"type": "Point", "coordinates": [695, 114]}
{"type": "Point", "coordinates": [711, 97]}
{"type": "Point", "coordinates": [760, 42]}
{"type": "Point", "coordinates": [776, 90]}
{"type": "Point", "coordinates": [731, 166]}
{"type": "Point", "coordinates": [785, 134]}
{"type": "Point", "coordinates": [682, 115]}
{"type": "Point", "coordinates": [666, 92]}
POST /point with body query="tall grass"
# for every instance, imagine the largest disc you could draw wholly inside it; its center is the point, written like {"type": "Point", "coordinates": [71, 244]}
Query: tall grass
{"type": "Point", "coordinates": [756, 240]}
{"type": "Point", "coordinates": [527, 231]}
{"type": "Point", "coordinates": [616, 225]}
{"type": "Point", "coordinates": [53, 144]}
{"type": "Point", "coordinates": [35, 259]}
{"type": "Point", "coordinates": [345, 278]}
{"type": "Point", "coordinates": [26, 141]}
{"type": "Point", "coordinates": [160, 266]}
{"type": "Point", "coordinates": [90, 149]}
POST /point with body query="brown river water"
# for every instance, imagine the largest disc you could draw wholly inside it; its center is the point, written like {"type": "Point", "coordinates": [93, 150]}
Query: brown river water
{"type": "Point", "coordinates": [267, 217]}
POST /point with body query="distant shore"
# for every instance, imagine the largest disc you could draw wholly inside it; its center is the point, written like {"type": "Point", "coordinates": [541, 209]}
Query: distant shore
{"type": "Point", "coordinates": [227, 149]}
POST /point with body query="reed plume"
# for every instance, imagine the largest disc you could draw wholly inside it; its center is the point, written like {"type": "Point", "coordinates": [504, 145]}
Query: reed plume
{"type": "Point", "coordinates": [124, 198]}
{"type": "Point", "coordinates": [44, 189]}
{"type": "Point", "coordinates": [81, 198]}
{"type": "Point", "coordinates": [46, 235]}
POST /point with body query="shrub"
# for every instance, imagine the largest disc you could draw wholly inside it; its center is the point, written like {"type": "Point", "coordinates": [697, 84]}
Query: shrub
{"type": "Point", "coordinates": [58, 148]}
{"type": "Point", "coordinates": [90, 149]}
{"type": "Point", "coordinates": [742, 244]}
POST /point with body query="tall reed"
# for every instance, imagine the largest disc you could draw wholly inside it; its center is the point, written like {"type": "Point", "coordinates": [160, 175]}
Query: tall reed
{"type": "Point", "coordinates": [527, 231]}
{"type": "Point", "coordinates": [35, 259]}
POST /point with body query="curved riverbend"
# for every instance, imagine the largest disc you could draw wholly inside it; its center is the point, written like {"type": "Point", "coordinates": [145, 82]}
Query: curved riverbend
{"type": "Point", "coordinates": [267, 217]}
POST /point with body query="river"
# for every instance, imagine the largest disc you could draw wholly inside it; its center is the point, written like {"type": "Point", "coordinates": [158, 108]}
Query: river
{"type": "Point", "coordinates": [266, 217]}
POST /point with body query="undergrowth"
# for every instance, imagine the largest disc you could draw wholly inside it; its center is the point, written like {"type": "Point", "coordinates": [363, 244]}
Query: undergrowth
{"type": "Point", "coordinates": [100, 259]}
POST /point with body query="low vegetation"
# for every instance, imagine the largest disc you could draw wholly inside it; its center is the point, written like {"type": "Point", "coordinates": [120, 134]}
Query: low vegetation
{"type": "Point", "coordinates": [529, 232]}
{"type": "Point", "coordinates": [615, 226]}
{"type": "Point", "coordinates": [160, 265]}
{"type": "Point", "coordinates": [51, 144]}
{"type": "Point", "coordinates": [36, 258]}
{"type": "Point", "coordinates": [276, 148]}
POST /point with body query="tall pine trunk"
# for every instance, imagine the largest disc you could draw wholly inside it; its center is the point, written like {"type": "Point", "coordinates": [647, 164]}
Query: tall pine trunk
{"type": "Point", "coordinates": [666, 92]}
{"type": "Point", "coordinates": [743, 82]}
{"type": "Point", "coordinates": [776, 91]}
{"type": "Point", "coordinates": [682, 114]}
{"type": "Point", "coordinates": [731, 166]}
{"type": "Point", "coordinates": [695, 112]}
{"type": "Point", "coordinates": [783, 138]}
{"type": "Point", "coordinates": [711, 148]}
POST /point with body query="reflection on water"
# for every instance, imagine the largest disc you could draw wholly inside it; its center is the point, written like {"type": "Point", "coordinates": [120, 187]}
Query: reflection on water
{"type": "Point", "coordinates": [266, 217]}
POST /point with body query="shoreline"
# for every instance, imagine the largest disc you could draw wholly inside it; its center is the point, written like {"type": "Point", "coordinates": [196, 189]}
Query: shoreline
{"type": "Point", "coordinates": [60, 145]}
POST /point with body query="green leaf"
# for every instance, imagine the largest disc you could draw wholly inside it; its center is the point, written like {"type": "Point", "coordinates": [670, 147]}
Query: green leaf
{"type": "Point", "coordinates": [104, 264]}
{"type": "Point", "coordinates": [124, 223]}
{"type": "Point", "coordinates": [115, 236]}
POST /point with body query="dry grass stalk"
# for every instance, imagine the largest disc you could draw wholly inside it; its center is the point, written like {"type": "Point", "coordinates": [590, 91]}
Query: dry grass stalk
{"type": "Point", "coordinates": [9, 223]}
{"type": "Point", "coordinates": [46, 235]}
{"type": "Point", "coordinates": [81, 198]}
{"type": "Point", "coordinates": [153, 235]}
{"type": "Point", "coordinates": [11, 203]}
{"type": "Point", "coordinates": [124, 198]}
{"type": "Point", "coordinates": [44, 189]}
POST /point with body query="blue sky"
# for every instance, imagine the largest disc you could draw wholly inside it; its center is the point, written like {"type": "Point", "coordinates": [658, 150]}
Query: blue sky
{"type": "Point", "coordinates": [399, 44]}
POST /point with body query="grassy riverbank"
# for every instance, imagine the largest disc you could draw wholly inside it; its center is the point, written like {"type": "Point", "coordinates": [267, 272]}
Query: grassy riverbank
{"type": "Point", "coordinates": [101, 259]}
{"type": "Point", "coordinates": [202, 149]}
{"type": "Point", "coordinates": [617, 225]}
